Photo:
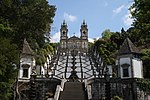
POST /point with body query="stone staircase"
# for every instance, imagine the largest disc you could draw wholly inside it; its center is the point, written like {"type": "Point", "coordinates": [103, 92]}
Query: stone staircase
{"type": "Point", "coordinates": [73, 91]}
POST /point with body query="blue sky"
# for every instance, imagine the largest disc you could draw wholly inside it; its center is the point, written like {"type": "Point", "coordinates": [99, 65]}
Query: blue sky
{"type": "Point", "coordinates": [98, 14]}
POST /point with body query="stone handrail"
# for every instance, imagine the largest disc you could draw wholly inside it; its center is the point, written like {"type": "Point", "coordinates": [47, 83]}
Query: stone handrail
{"type": "Point", "coordinates": [88, 87]}
{"type": "Point", "coordinates": [59, 89]}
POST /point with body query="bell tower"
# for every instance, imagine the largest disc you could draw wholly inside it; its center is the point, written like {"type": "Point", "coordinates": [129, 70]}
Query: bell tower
{"type": "Point", "coordinates": [84, 36]}
{"type": "Point", "coordinates": [63, 35]}
{"type": "Point", "coordinates": [84, 31]}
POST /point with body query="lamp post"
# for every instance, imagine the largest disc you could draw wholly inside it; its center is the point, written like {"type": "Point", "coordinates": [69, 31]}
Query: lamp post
{"type": "Point", "coordinates": [107, 85]}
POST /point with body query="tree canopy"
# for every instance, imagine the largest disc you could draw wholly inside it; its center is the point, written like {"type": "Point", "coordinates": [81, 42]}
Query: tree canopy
{"type": "Point", "coordinates": [140, 11]}
{"type": "Point", "coordinates": [9, 57]}
{"type": "Point", "coordinates": [30, 19]}
{"type": "Point", "coordinates": [20, 19]}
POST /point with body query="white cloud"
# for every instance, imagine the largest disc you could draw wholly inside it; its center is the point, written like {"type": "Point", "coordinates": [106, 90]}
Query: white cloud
{"type": "Point", "coordinates": [91, 40]}
{"type": "Point", "coordinates": [69, 17]}
{"type": "Point", "coordinates": [127, 19]}
{"type": "Point", "coordinates": [55, 37]}
{"type": "Point", "coordinates": [119, 9]}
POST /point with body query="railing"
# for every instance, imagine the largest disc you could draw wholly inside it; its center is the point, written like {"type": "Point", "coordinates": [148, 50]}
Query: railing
{"type": "Point", "coordinates": [88, 88]}
{"type": "Point", "coordinates": [59, 89]}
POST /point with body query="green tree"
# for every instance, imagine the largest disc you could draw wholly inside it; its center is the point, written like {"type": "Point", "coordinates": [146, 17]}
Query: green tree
{"type": "Point", "coordinates": [117, 38]}
{"type": "Point", "coordinates": [105, 49]}
{"type": "Point", "coordinates": [146, 62]}
{"type": "Point", "coordinates": [30, 19]}
{"type": "Point", "coordinates": [133, 32]}
{"type": "Point", "coordinates": [140, 11]}
{"type": "Point", "coordinates": [19, 19]}
{"type": "Point", "coordinates": [8, 62]}
{"type": "Point", "coordinates": [106, 34]}
{"type": "Point", "coordinates": [44, 53]}
{"type": "Point", "coordinates": [9, 58]}
{"type": "Point", "coordinates": [48, 48]}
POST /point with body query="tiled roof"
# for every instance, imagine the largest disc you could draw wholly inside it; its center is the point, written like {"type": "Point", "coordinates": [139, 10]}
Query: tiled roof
{"type": "Point", "coordinates": [26, 48]}
{"type": "Point", "coordinates": [128, 47]}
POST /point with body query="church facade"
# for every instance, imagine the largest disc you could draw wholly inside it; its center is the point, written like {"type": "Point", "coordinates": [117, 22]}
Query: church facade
{"type": "Point", "coordinates": [74, 42]}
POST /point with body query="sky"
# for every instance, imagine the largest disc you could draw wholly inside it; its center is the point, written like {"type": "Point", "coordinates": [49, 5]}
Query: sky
{"type": "Point", "coordinates": [98, 14]}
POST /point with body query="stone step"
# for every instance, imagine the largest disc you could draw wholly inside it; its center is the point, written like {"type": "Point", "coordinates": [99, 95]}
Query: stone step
{"type": "Point", "coordinates": [72, 91]}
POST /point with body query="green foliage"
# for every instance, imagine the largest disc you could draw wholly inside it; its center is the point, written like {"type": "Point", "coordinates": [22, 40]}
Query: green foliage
{"type": "Point", "coordinates": [146, 62]}
{"type": "Point", "coordinates": [104, 48]}
{"type": "Point", "coordinates": [140, 11]}
{"type": "Point", "coordinates": [44, 53]}
{"type": "Point", "coordinates": [116, 98]}
{"type": "Point", "coordinates": [144, 84]}
{"type": "Point", "coordinates": [30, 19]}
{"type": "Point", "coordinates": [9, 59]}
{"type": "Point", "coordinates": [5, 30]}
{"type": "Point", "coordinates": [146, 54]}
{"type": "Point", "coordinates": [19, 19]}
{"type": "Point", "coordinates": [106, 34]}
{"type": "Point", "coordinates": [8, 72]}
{"type": "Point", "coordinates": [118, 38]}
{"type": "Point", "coordinates": [48, 48]}
{"type": "Point", "coordinates": [132, 32]}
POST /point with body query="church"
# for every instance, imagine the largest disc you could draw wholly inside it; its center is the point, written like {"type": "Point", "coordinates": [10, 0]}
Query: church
{"type": "Point", "coordinates": [74, 43]}
{"type": "Point", "coordinates": [76, 72]}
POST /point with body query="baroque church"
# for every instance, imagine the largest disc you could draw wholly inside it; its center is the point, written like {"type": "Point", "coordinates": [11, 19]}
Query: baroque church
{"type": "Point", "coordinates": [76, 72]}
{"type": "Point", "coordinates": [74, 43]}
